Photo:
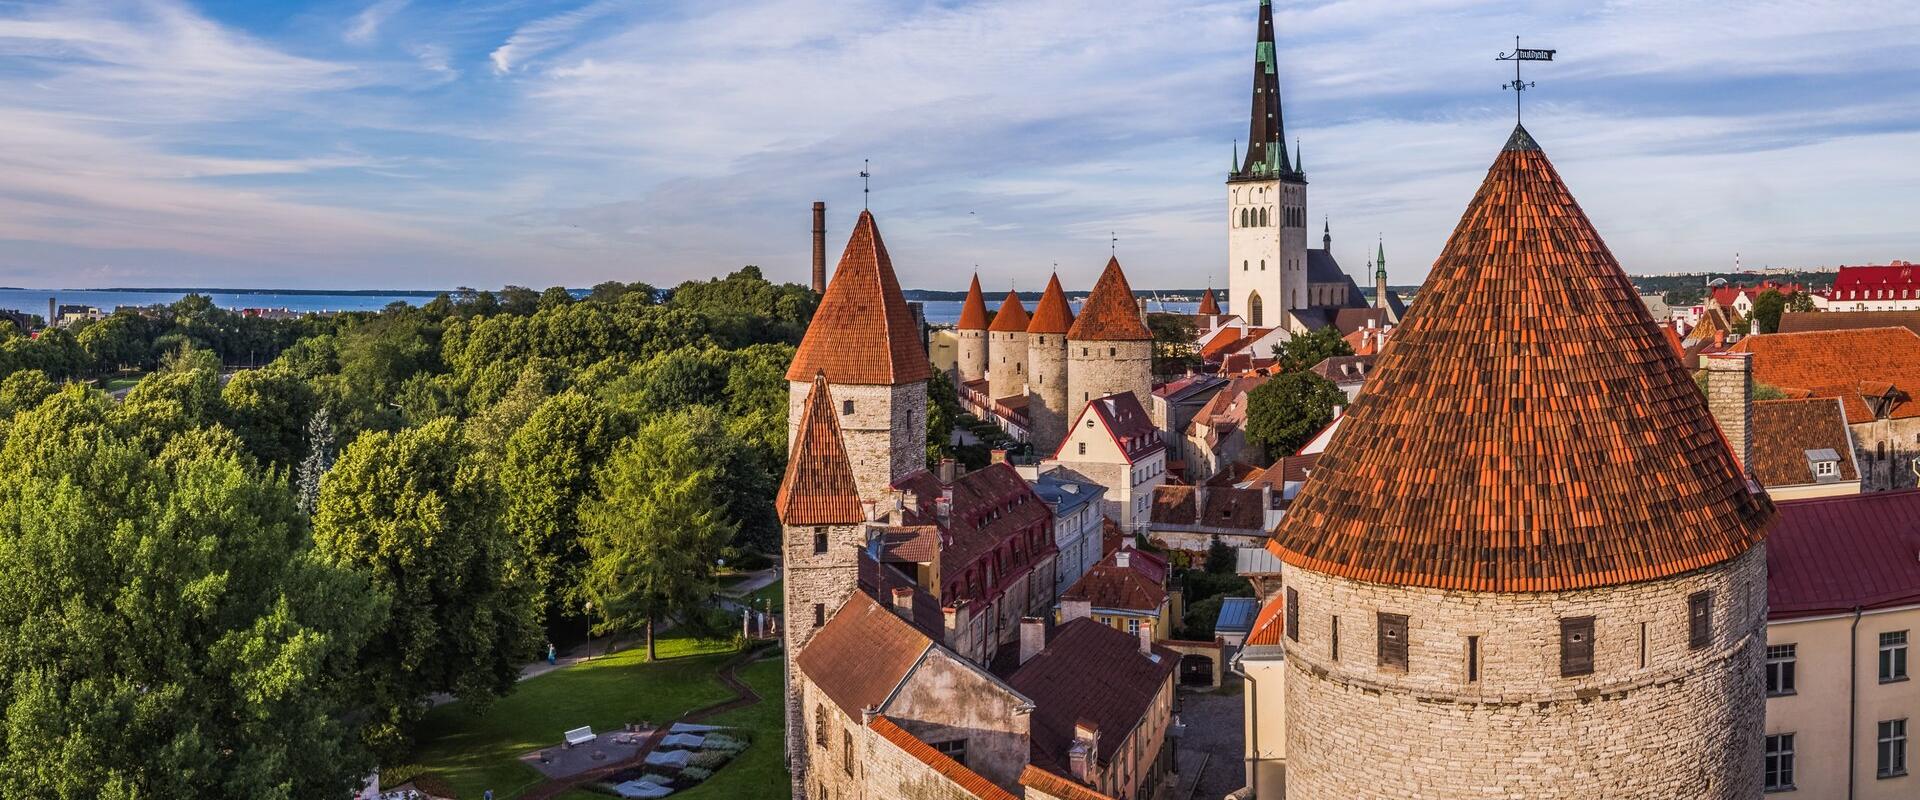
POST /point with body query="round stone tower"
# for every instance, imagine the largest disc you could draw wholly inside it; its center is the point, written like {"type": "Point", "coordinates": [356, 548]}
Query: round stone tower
{"type": "Point", "coordinates": [1109, 349]}
{"type": "Point", "coordinates": [971, 352]}
{"type": "Point", "coordinates": [1528, 564]}
{"type": "Point", "coordinates": [1047, 368]}
{"type": "Point", "coordinates": [1007, 350]}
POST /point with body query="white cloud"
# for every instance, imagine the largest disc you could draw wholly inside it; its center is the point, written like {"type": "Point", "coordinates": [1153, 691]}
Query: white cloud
{"type": "Point", "coordinates": [365, 26]}
{"type": "Point", "coordinates": [545, 34]}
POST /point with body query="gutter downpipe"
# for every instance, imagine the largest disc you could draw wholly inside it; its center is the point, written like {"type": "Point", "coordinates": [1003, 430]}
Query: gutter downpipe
{"type": "Point", "coordinates": [1253, 727]}
{"type": "Point", "coordinates": [1853, 693]}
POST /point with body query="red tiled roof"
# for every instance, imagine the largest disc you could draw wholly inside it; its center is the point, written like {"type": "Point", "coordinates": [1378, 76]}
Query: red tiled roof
{"type": "Point", "coordinates": [861, 654]}
{"type": "Point", "coordinates": [1783, 432]}
{"type": "Point", "coordinates": [818, 488]}
{"type": "Point", "coordinates": [1225, 507]}
{"type": "Point", "coordinates": [1725, 295]}
{"type": "Point", "coordinates": [990, 507]}
{"type": "Point", "coordinates": [1506, 452]}
{"type": "Point", "coordinates": [1849, 364]}
{"type": "Point", "coordinates": [973, 311]}
{"type": "Point", "coordinates": [1806, 321]}
{"type": "Point", "coordinates": [967, 780]}
{"type": "Point", "coordinates": [1110, 313]}
{"type": "Point", "coordinates": [1012, 317]}
{"type": "Point", "coordinates": [1053, 314]}
{"type": "Point", "coordinates": [1896, 281]}
{"type": "Point", "coordinates": [1208, 305]}
{"type": "Point", "coordinates": [1231, 343]}
{"type": "Point", "coordinates": [1109, 585]}
{"type": "Point", "coordinates": [1059, 786]}
{"type": "Point", "coordinates": [1089, 672]}
{"type": "Point", "coordinates": [862, 333]}
{"type": "Point", "coordinates": [1127, 421]}
{"type": "Point", "coordinates": [1833, 554]}
{"type": "Point", "coordinates": [1267, 627]}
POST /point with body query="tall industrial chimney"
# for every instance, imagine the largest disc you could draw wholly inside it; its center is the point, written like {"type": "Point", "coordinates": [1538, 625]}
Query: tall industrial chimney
{"type": "Point", "coordinates": [819, 247]}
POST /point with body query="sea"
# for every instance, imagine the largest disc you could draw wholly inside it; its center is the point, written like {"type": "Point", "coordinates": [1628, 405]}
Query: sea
{"type": "Point", "coordinates": [34, 301]}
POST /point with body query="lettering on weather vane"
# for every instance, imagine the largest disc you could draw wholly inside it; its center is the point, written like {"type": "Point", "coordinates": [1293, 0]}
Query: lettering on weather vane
{"type": "Point", "coordinates": [1518, 55]}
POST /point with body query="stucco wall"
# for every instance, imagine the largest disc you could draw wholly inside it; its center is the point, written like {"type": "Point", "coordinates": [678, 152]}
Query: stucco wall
{"type": "Point", "coordinates": [1816, 713]}
{"type": "Point", "coordinates": [1902, 446]}
{"type": "Point", "coordinates": [945, 700]}
{"type": "Point", "coordinates": [1685, 724]}
{"type": "Point", "coordinates": [971, 354]}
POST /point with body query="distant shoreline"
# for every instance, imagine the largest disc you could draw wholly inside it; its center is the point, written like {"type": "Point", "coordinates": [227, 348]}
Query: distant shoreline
{"type": "Point", "coordinates": [208, 290]}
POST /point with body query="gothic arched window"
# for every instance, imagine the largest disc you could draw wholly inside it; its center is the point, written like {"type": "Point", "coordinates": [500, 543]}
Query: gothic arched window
{"type": "Point", "coordinates": [1255, 312]}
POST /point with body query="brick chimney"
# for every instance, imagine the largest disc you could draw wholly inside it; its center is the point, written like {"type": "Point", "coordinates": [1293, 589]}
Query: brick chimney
{"type": "Point", "coordinates": [1033, 637]}
{"type": "Point", "coordinates": [903, 602]}
{"type": "Point", "coordinates": [948, 470]}
{"type": "Point", "coordinates": [1730, 398]}
{"type": "Point", "coordinates": [1146, 638]}
{"type": "Point", "coordinates": [819, 247]}
{"type": "Point", "coordinates": [1085, 752]}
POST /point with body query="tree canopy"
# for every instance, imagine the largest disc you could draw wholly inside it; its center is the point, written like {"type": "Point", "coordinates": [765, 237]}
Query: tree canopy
{"type": "Point", "coordinates": [1287, 410]}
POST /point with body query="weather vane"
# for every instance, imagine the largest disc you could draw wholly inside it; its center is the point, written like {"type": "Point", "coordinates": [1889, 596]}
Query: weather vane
{"type": "Point", "coordinates": [1518, 55]}
{"type": "Point", "coordinates": [1114, 243]}
{"type": "Point", "coordinates": [866, 182]}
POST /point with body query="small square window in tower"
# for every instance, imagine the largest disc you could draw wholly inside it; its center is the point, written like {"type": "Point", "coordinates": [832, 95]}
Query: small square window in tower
{"type": "Point", "coordinates": [1392, 644]}
{"type": "Point", "coordinates": [819, 540]}
{"type": "Point", "coordinates": [1700, 619]}
{"type": "Point", "coordinates": [1576, 646]}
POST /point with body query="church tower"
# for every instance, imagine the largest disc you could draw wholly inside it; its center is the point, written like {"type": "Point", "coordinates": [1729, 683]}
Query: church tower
{"type": "Point", "coordinates": [1266, 206]}
{"type": "Point", "coordinates": [864, 340]}
{"type": "Point", "coordinates": [971, 355]}
{"type": "Point", "coordinates": [1007, 351]}
{"type": "Point", "coordinates": [1380, 293]}
{"type": "Point", "coordinates": [1047, 368]}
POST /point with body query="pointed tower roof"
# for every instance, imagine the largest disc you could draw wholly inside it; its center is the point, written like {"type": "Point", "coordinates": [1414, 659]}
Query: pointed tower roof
{"type": "Point", "coordinates": [1208, 305]}
{"type": "Point", "coordinates": [973, 312]}
{"type": "Point", "coordinates": [1561, 448]}
{"type": "Point", "coordinates": [862, 333]}
{"type": "Point", "coordinates": [1380, 264]}
{"type": "Point", "coordinates": [1053, 314]}
{"type": "Point", "coordinates": [1012, 317]}
{"type": "Point", "coordinates": [818, 488]}
{"type": "Point", "coordinates": [1110, 313]}
{"type": "Point", "coordinates": [1266, 131]}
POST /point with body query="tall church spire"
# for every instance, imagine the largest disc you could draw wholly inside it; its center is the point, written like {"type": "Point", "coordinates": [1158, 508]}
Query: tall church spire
{"type": "Point", "coordinates": [1266, 132]}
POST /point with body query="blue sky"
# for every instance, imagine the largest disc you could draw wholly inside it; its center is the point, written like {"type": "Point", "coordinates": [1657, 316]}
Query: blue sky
{"type": "Point", "coordinates": [429, 143]}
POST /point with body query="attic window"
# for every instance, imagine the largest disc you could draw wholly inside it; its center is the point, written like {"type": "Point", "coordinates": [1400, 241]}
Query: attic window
{"type": "Point", "coordinates": [846, 407]}
{"type": "Point", "coordinates": [1826, 469]}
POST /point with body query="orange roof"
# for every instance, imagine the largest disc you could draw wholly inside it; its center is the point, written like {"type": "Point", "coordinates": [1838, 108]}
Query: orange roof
{"type": "Point", "coordinates": [1858, 366]}
{"type": "Point", "coordinates": [1059, 786]}
{"type": "Point", "coordinates": [973, 312]}
{"type": "Point", "coordinates": [862, 332]}
{"type": "Point", "coordinates": [969, 781]}
{"type": "Point", "coordinates": [1207, 304]}
{"type": "Point", "coordinates": [818, 488]}
{"type": "Point", "coordinates": [1052, 315]}
{"type": "Point", "coordinates": [1012, 317]}
{"type": "Point", "coordinates": [1110, 313]}
{"type": "Point", "coordinates": [1504, 452]}
{"type": "Point", "coordinates": [1267, 627]}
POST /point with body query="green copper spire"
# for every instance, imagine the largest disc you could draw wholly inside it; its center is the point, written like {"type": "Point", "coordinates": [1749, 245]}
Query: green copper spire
{"type": "Point", "coordinates": [1299, 162]}
{"type": "Point", "coordinates": [1266, 155]}
{"type": "Point", "coordinates": [1381, 261]}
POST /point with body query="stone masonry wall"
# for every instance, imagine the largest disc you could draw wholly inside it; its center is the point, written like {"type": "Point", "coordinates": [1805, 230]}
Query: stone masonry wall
{"type": "Point", "coordinates": [1096, 369]}
{"type": "Point", "coordinates": [1007, 364]}
{"type": "Point", "coordinates": [810, 579]}
{"type": "Point", "coordinates": [971, 355]}
{"type": "Point", "coordinates": [885, 436]}
{"type": "Point", "coordinates": [1684, 724]}
{"type": "Point", "coordinates": [1047, 391]}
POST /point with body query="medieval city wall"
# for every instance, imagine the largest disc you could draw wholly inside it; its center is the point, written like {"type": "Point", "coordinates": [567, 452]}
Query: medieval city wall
{"type": "Point", "coordinates": [885, 436]}
{"type": "Point", "coordinates": [1007, 363]}
{"type": "Point", "coordinates": [1047, 411]}
{"type": "Point", "coordinates": [1096, 369]}
{"type": "Point", "coordinates": [971, 354]}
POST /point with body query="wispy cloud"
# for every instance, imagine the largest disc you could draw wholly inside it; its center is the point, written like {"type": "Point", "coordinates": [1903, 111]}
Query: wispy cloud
{"type": "Point", "coordinates": [545, 34]}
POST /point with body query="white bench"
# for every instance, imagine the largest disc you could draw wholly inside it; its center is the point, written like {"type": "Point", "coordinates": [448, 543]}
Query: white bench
{"type": "Point", "coordinates": [579, 736]}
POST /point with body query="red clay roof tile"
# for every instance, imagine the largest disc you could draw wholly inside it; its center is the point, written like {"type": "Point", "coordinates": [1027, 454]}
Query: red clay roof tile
{"type": "Point", "coordinates": [1783, 432]}
{"type": "Point", "coordinates": [1848, 364]}
{"type": "Point", "coordinates": [1541, 451]}
{"type": "Point", "coordinates": [973, 312]}
{"type": "Point", "coordinates": [1012, 317]}
{"type": "Point", "coordinates": [1109, 585]}
{"type": "Point", "coordinates": [863, 332]}
{"type": "Point", "coordinates": [1208, 305]}
{"type": "Point", "coordinates": [1090, 672]}
{"type": "Point", "coordinates": [967, 780]}
{"type": "Point", "coordinates": [818, 488]}
{"type": "Point", "coordinates": [861, 654]}
{"type": "Point", "coordinates": [1110, 313]}
{"type": "Point", "coordinates": [1053, 314]}
{"type": "Point", "coordinates": [1059, 786]}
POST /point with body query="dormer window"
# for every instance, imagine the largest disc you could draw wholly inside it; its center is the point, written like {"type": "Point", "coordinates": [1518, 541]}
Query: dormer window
{"type": "Point", "coordinates": [1826, 469]}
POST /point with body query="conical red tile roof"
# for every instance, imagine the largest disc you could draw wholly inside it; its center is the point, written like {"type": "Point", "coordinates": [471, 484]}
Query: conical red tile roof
{"type": "Point", "coordinates": [1053, 314]}
{"type": "Point", "coordinates": [1561, 447]}
{"type": "Point", "coordinates": [1012, 317]}
{"type": "Point", "coordinates": [1110, 313]}
{"type": "Point", "coordinates": [1208, 305]}
{"type": "Point", "coordinates": [818, 488]}
{"type": "Point", "coordinates": [973, 312]}
{"type": "Point", "coordinates": [862, 333]}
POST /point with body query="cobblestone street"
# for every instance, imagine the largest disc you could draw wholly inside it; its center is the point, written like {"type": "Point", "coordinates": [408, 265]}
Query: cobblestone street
{"type": "Point", "coordinates": [1214, 728]}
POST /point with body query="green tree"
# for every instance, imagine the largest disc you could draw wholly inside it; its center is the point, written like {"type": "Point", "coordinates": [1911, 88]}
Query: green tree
{"type": "Point", "coordinates": [745, 308]}
{"type": "Point", "coordinates": [1287, 410]}
{"type": "Point", "coordinates": [519, 300]}
{"type": "Point", "coordinates": [1174, 352]}
{"type": "Point", "coordinates": [417, 515]}
{"type": "Point", "coordinates": [319, 459]}
{"type": "Point", "coordinates": [943, 413]}
{"type": "Point", "coordinates": [1221, 559]}
{"type": "Point", "coordinates": [655, 530]}
{"type": "Point", "coordinates": [545, 475]}
{"type": "Point", "coordinates": [1800, 303]}
{"type": "Point", "coordinates": [1301, 352]}
{"type": "Point", "coordinates": [269, 409]}
{"type": "Point", "coordinates": [22, 391]}
{"type": "Point", "coordinates": [166, 631]}
{"type": "Point", "coordinates": [1766, 311]}
{"type": "Point", "coordinates": [555, 297]}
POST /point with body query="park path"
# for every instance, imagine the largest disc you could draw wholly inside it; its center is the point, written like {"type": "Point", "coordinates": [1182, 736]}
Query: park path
{"type": "Point", "coordinates": [743, 696]}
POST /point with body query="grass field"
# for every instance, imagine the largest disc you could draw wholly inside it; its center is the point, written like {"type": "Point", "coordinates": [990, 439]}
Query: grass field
{"type": "Point", "coordinates": [761, 771]}
{"type": "Point", "coordinates": [765, 593]}
{"type": "Point", "coordinates": [473, 753]}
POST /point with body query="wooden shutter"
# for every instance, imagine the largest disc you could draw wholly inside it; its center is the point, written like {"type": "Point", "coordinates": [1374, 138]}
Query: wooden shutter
{"type": "Point", "coordinates": [1392, 642]}
{"type": "Point", "coordinates": [1293, 614]}
{"type": "Point", "coordinates": [1576, 646]}
{"type": "Point", "coordinates": [1700, 619]}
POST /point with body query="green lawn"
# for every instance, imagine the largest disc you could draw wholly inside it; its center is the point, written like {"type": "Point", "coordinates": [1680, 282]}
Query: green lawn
{"type": "Point", "coordinates": [768, 592]}
{"type": "Point", "coordinates": [474, 753]}
{"type": "Point", "coordinates": [761, 771]}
